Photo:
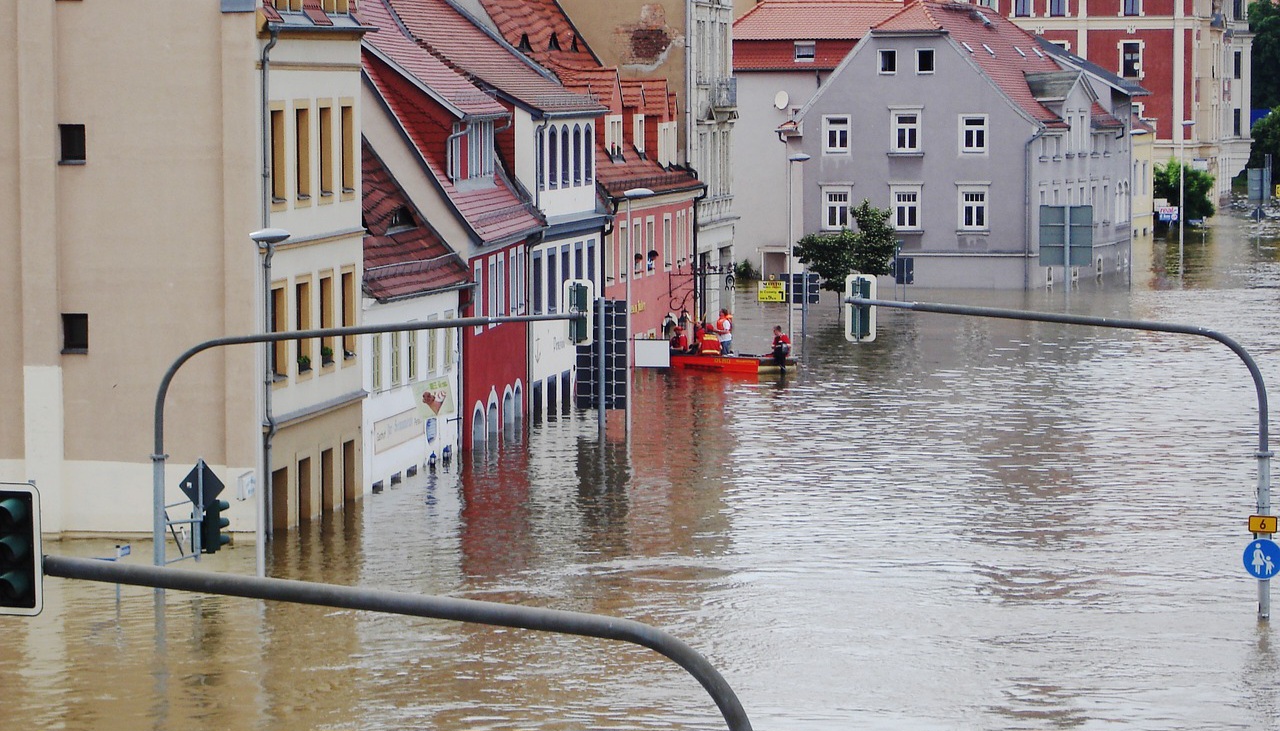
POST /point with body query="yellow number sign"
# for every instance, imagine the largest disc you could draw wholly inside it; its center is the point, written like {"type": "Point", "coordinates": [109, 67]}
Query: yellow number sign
{"type": "Point", "coordinates": [772, 292]}
{"type": "Point", "coordinates": [1262, 524]}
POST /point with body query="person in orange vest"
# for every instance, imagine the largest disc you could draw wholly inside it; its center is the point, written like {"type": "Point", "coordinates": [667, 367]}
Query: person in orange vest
{"type": "Point", "coordinates": [724, 328]}
{"type": "Point", "coordinates": [709, 341]}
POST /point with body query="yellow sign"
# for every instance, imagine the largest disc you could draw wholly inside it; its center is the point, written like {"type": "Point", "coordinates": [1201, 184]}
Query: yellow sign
{"type": "Point", "coordinates": [1262, 524]}
{"type": "Point", "coordinates": [772, 292]}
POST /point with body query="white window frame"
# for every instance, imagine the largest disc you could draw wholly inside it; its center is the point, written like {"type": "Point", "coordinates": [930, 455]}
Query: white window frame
{"type": "Point", "coordinates": [980, 130]}
{"type": "Point", "coordinates": [835, 212]}
{"type": "Point", "coordinates": [887, 61]}
{"type": "Point", "coordinates": [912, 129]}
{"type": "Point", "coordinates": [973, 212]}
{"type": "Point", "coordinates": [666, 241]}
{"type": "Point", "coordinates": [933, 61]}
{"type": "Point", "coordinates": [613, 132]}
{"type": "Point", "coordinates": [637, 132]}
{"type": "Point", "coordinates": [840, 125]}
{"type": "Point", "coordinates": [1141, 52]}
{"type": "Point", "coordinates": [905, 198]}
{"type": "Point", "coordinates": [806, 51]}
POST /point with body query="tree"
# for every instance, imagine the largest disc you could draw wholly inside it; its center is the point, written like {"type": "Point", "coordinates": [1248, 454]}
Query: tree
{"type": "Point", "coordinates": [1264, 23]}
{"type": "Point", "coordinates": [834, 256]}
{"type": "Point", "coordinates": [1266, 141]}
{"type": "Point", "coordinates": [1198, 187]}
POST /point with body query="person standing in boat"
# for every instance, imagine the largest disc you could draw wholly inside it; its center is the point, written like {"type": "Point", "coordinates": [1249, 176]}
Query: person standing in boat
{"type": "Point", "coordinates": [724, 329]}
{"type": "Point", "coordinates": [710, 341]}
{"type": "Point", "coordinates": [781, 348]}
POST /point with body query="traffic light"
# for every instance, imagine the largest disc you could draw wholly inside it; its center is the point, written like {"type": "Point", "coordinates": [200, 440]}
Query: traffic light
{"type": "Point", "coordinates": [859, 320]}
{"type": "Point", "coordinates": [579, 296]}
{"type": "Point", "coordinates": [211, 538]}
{"type": "Point", "coordinates": [21, 563]}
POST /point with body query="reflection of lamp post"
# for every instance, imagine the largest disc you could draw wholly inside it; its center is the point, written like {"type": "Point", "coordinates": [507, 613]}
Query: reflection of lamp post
{"type": "Point", "coordinates": [791, 241]}
{"type": "Point", "coordinates": [628, 195]}
{"type": "Point", "coordinates": [1182, 195]}
{"type": "Point", "coordinates": [266, 239]}
{"type": "Point", "coordinates": [1133, 133]}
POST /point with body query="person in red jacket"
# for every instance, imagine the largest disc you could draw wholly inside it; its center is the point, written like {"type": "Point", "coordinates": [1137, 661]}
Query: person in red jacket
{"type": "Point", "coordinates": [781, 348]}
{"type": "Point", "coordinates": [709, 342]}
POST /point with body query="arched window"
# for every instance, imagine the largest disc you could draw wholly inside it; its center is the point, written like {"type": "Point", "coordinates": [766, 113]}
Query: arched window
{"type": "Point", "coordinates": [553, 158]}
{"type": "Point", "coordinates": [577, 156]}
{"type": "Point", "coordinates": [479, 434]}
{"type": "Point", "coordinates": [565, 151]}
{"type": "Point", "coordinates": [588, 155]}
{"type": "Point", "coordinates": [542, 160]}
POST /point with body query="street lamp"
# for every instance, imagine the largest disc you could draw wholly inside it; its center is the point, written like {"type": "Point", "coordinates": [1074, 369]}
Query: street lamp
{"type": "Point", "coordinates": [628, 196]}
{"type": "Point", "coordinates": [1182, 195]}
{"type": "Point", "coordinates": [791, 241]}
{"type": "Point", "coordinates": [266, 239]}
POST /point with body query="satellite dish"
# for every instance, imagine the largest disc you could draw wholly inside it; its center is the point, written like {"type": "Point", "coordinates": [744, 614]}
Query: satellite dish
{"type": "Point", "coordinates": [780, 100]}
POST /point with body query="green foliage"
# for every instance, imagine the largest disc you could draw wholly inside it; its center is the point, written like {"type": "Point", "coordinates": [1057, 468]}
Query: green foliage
{"type": "Point", "coordinates": [1264, 22]}
{"type": "Point", "coordinates": [1198, 188]}
{"type": "Point", "coordinates": [835, 255]}
{"type": "Point", "coordinates": [1266, 140]}
{"type": "Point", "coordinates": [744, 272]}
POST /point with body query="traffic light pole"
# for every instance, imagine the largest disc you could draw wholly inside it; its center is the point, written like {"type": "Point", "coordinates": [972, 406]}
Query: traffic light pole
{"type": "Point", "coordinates": [414, 605]}
{"type": "Point", "coordinates": [1263, 453]}
{"type": "Point", "coordinates": [158, 456]}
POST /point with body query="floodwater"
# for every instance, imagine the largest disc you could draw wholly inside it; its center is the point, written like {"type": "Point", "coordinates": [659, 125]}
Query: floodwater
{"type": "Point", "coordinates": [967, 524]}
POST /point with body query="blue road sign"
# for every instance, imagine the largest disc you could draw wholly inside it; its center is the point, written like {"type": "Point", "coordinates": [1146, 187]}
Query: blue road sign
{"type": "Point", "coordinates": [1262, 558]}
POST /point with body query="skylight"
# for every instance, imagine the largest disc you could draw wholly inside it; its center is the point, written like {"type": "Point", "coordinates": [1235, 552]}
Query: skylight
{"type": "Point", "coordinates": [988, 50]}
{"type": "Point", "coordinates": [1019, 50]}
{"type": "Point", "coordinates": [967, 47]}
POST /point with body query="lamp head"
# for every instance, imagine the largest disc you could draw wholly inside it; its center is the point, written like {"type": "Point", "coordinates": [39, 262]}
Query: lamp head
{"type": "Point", "coordinates": [268, 236]}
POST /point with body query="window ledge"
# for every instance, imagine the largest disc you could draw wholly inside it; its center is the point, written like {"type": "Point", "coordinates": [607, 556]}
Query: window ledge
{"type": "Point", "coordinates": [72, 162]}
{"type": "Point", "coordinates": [906, 153]}
{"type": "Point", "coordinates": [973, 232]}
{"type": "Point", "coordinates": [75, 351]}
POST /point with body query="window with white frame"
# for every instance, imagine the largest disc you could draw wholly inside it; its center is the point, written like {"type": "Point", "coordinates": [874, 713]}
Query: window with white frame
{"type": "Point", "coordinates": [637, 132]}
{"type": "Point", "coordinates": [905, 126]}
{"type": "Point", "coordinates": [1022, 8]}
{"type": "Point", "coordinates": [924, 60]}
{"type": "Point", "coordinates": [666, 241]}
{"type": "Point", "coordinates": [835, 134]}
{"type": "Point", "coordinates": [806, 51]}
{"type": "Point", "coordinates": [1132, 7]}
{"type": "Point", "coordinates": [888, 61]}
{"type": "Point", "coordinates": [973, 133]}
{"type": "Point", "coordinates": [1057, 7]}
{"type": "Point", "coordinates": [375, 362]}
{"type": "Point", "coordinates": [1131, 60]}
{"type": "Point", "coordinates": [433, 342]}
{"type": "Point", "coordinates": [835, 208]}
{"type": "Point", "coordinates": [906, 207]}
{"type": "Point", "coordinates": [613, 134]}
{"type": "Point", "coordinates": [973, 207]}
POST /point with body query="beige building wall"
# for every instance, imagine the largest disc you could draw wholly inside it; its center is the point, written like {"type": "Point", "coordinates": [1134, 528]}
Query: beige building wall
{"type": "Point", "coordinates": [146, 238]}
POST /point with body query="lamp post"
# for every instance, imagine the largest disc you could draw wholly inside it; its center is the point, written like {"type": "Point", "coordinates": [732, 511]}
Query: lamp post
{"type": "Point", "coordinates": [266, 240]}
{"type": "Point", "coordinates": [1182, 195]}
{"type": "Point", "coordinates": [628, 196]}
{"type": "Point", "coordinates": [791, 240]}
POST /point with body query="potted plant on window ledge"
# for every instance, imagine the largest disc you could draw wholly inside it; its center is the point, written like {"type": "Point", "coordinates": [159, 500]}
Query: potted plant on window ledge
{"type": "Point", "coordinates": [304, 363]}
{"type": "Point", "coordinates": [326, 355]}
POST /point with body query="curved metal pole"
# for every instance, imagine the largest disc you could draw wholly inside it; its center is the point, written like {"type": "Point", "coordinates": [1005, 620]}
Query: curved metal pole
{"type": "Point", "coordinates": [158, 456]}
{"type": "Point", "coordinates": [435, 607]}
{"type": "Point", "coordinates": [1263, 454]}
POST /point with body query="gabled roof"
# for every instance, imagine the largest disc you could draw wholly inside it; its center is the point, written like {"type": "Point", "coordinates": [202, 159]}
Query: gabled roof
{"type": "Point", "coordinates": [456, 38]}
{"type": "Point", "coordinates": [538, 28]}
{"type": "Point", "coordinates": [1063, 56]}
{"type": "Point", "coordinates": [494, 212]}
{"type": "Point", "coordinates": [781, 55]}
{"type": "Point", "coordinates": [1003, 51]}
{"type": "Point", "coordinates": [393, 46]}
{"type": "Point", "coordinates": [811, 20]}
{"type": "Point", "coordinates": [401, 261]}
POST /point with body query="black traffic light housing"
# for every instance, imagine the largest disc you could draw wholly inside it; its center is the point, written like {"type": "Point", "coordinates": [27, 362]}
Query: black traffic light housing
{"type": "Point", "coordinates": [211, 538]}
{"type": "Point", "coordinates": [21, 562]}
{"type": "Point", "coordinates": [579, 297]}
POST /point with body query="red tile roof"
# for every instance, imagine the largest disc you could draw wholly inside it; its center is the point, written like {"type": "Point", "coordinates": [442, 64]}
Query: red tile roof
{"type": "Point", "coordinates": [780, 55]}
{"type": "Point", "coordinates": [538, 21]}
{"type": "Point", "coordinates": [407, 261]}
{"type": "Point", "coordinates": [464, 44]}
{"type": "Point", "coordinates": [1001, 49]}
{"type": "Point", "coordinates": [496, 213]}
{"type": "Point", "coordinates": [808, 20]}
{"type": "Point", "coordinates": [395, 47]}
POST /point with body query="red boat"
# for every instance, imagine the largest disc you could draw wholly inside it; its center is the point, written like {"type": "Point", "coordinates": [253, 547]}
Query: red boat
{"type": "Point", "coordinates": [744, 364]}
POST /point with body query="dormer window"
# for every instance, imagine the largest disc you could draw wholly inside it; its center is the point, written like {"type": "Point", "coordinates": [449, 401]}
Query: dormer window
{"type": "Point", "coordinates": [400, 219]}
{"type": "Point", "coordinates": [806, 51]}
{"type": "Point", "coordinates": [524, 46]}
{"type": "Point", "coordinates": [471, 152]}
{"type": "Point", "coordinates": [637, 132]}
{"type": "Point", "coordinates": [554, 43]}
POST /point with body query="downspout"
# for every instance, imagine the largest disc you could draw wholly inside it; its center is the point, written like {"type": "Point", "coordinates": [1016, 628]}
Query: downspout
{"type": "Point", "coordinates": [268, 372]}
{"type": "Point", "coordinates": [699, 282]}
{"type": "Point", "coordinates": [1026, 206]}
